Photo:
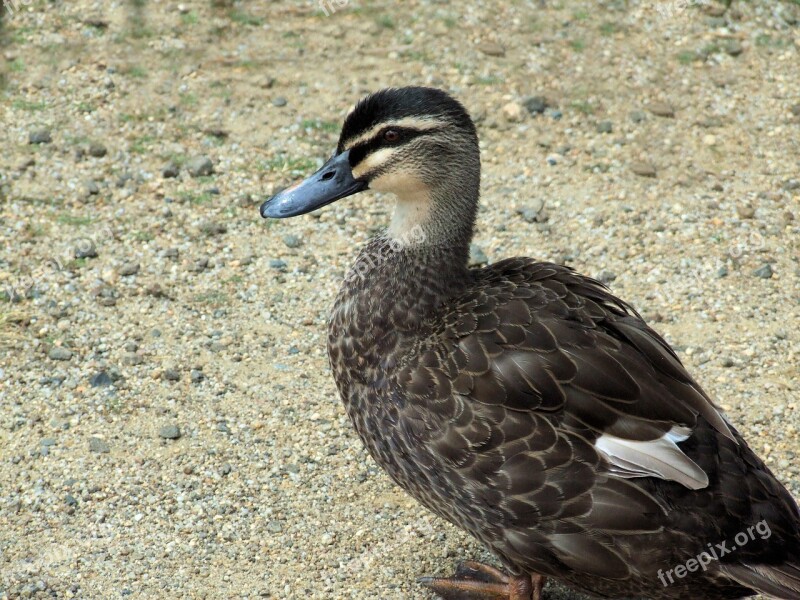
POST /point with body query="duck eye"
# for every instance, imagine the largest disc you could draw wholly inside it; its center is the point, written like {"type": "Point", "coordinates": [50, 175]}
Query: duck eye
{"type": "Point", "coordinates": [391, 135]}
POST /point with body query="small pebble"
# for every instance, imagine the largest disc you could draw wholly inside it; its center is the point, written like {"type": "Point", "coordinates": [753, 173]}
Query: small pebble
{"type": "Point", "coordinates": [59, 353]}
{"type": "Point", "coordinates": [734, 47]}
{"type": "Point", "coordinates": [277, 263]}
{"type": "Point", "coordinates": [213, 228]}
{"type": "Point", "coordinates": [643, 169]}
{"type": "Point", "coordinates": [128, 269]}
{"type": "Point", "coordinates": [745, 211]}
{"type": "Point", "coordinates": [98, 446]}
{"type": "Point", "coordinates": [131, 359]}
{"type": "Point", "coordinates": [292, 241]}
{"type": "Point", "coordinates": [491, 49]}
{"type": "Point", "coordinates": [170, 170]}
{"type": "Point", "coordinates": [92, 189]}
{"type": "Point", "coordinates": [40, 136]}
{"type": "Point", "coordinates": [764, 271]}
{"type": "Point", "coordinates": [170, 432]}
{"type": "Point", "coordinates": [637, 116]}
{"type": "Point", "coordinates": [512, 111]}
{"type": "Point", "coordinates": [535, 105]}
{"type": "Point", "coordinates": [605, 276]}
{"type": "Point", "coordinates": [477, 256]}
{"type": "Point", "coordinates": [200, 166]}
{"type": "Point", "coordinates": [97, 150]}
{"type": "Point", "coordinates": [101, 379]}
{"type": "Point", "coordinates": [605, 127]}
{"type": "Point", "coordinates": [791, 184]}
{"type": "Point", "coordinates": [662, 109]}
{"type": "Point", "coordinates": [533, 213]}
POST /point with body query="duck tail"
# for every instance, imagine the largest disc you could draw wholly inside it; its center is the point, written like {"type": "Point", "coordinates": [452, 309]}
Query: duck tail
{"type": "Point", "coordinates": [776, 581]}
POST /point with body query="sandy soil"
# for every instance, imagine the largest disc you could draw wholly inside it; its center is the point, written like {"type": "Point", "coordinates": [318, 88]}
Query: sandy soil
{"type": "Point", "coordinates": [168, 423]}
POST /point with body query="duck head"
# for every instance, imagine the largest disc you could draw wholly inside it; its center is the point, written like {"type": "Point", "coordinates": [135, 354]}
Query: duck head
{"type": "Point", "coordinates": [417, 143]}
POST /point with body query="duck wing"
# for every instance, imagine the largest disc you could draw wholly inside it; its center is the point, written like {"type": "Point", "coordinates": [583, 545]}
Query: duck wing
{"type": "Point", "coordinates": [545, 402]}
{"type": "Point", "coordinates": [539, 337]}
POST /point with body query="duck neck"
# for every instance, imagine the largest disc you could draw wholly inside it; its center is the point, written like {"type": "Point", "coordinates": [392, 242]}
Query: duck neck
{"type": "Point", "coordinates": [407, 273]}
{"type": "Point", "coordinates": [399, 283]}
{"type": "Point", "coordinates": [436, 222]}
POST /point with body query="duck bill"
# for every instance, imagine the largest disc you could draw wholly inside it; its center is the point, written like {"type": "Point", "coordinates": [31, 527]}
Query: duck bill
{"type": "Point", "coordinates": [331, 183]}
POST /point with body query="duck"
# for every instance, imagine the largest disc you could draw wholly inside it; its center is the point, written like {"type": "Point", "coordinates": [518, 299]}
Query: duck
{"type": "Point", "coordinates": [522, 401]}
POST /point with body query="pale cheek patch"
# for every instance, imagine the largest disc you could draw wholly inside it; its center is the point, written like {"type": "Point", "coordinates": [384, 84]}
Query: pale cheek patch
{"type": "Point", "coordinates": [372, 162]}
{"type": "Point", "coordinates": [413, 209]}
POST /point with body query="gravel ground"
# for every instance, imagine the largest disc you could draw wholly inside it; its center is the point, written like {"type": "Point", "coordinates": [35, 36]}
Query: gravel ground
{"type": "Point", "coordinates": [168, 423]}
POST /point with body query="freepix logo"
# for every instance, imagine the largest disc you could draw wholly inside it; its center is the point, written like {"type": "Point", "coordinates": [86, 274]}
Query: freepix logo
{"type": "Point", "coordinates": [12, 6]}
{"type": "Point", "coordinates": [715, 552]}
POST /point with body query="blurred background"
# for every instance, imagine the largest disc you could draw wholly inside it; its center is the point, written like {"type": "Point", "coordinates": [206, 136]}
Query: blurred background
{"type": "Point", "coordinates": [168, 422]}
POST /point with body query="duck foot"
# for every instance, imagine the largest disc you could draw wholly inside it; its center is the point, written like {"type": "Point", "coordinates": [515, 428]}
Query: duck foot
{"type": "Point", "coordinates": [476, 581]}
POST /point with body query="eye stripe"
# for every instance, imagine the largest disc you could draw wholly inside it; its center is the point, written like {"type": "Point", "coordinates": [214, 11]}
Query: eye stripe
{"type": "Point", "coordinates": [365, 149]}
{"type": "Point", "coordinates": [407, 123]}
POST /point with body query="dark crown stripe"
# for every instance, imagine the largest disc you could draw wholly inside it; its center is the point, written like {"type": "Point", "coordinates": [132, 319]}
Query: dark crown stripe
{"type": "Point", "coordinates": [398, 103]}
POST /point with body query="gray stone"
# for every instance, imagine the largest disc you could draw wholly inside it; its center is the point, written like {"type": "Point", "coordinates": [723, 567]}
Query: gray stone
{"type": "Point", "coordinates": [637, 116]}
{"type": "Point", "coordinates": [734, 47]}
{"type": "Point", "coordinates": [129, 268]}
{"type": "Point", "coordinates": [277, 263]}
{"type": "Point", "coordinates": [59, 353]}
{"type": "Point", "coordinates": [132, 359]}
{"type": "Point", "coordinates": [98, 446]}
{"type": "Point", "coordinates": [764, 271]}
{"type": "Point", "coordinates": [92, 189]}
{"type": "Point", "coordinates": [643, 169]}
{"type": "Point", "coordinates": [212, 228]}
{"type": "Point", "coordinates": [536, 105]}
{"type": "Point", "coordinates": [97, 150]}
{"type": "Point", "coordinates": [605, 276]}
{"type": "Point", "coordinates": [279, 101]}
{"type": "Point", "coordinates": [662, 109]}
{"type": "Point", "coordinates": [492, 49]}
{"type": "Point", "coordinates": [40, 136]}
{"type": "Point", "coordinates": [791, 185]}
{"type": "Point", "coordinates": [101, 379]}
{"type": "Point", "coordinates": [200, 166]}
{"type": "Point", "coordinates": [605, 127]}
{"type": "Point", "coordinates": [534, 213]}
{"type": "Point", "coordinates": [292, 241]}
{"type": "Point", "coordinates": [170, 171]}
{"type": "Point", "coordinates": [169, 432]}
{"type": "Point", "coordinates": [201, 264]}
{"type": "Point", "coordinates": [477, 256]}
{"type": "Point", "coordinates": [172, 375]}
